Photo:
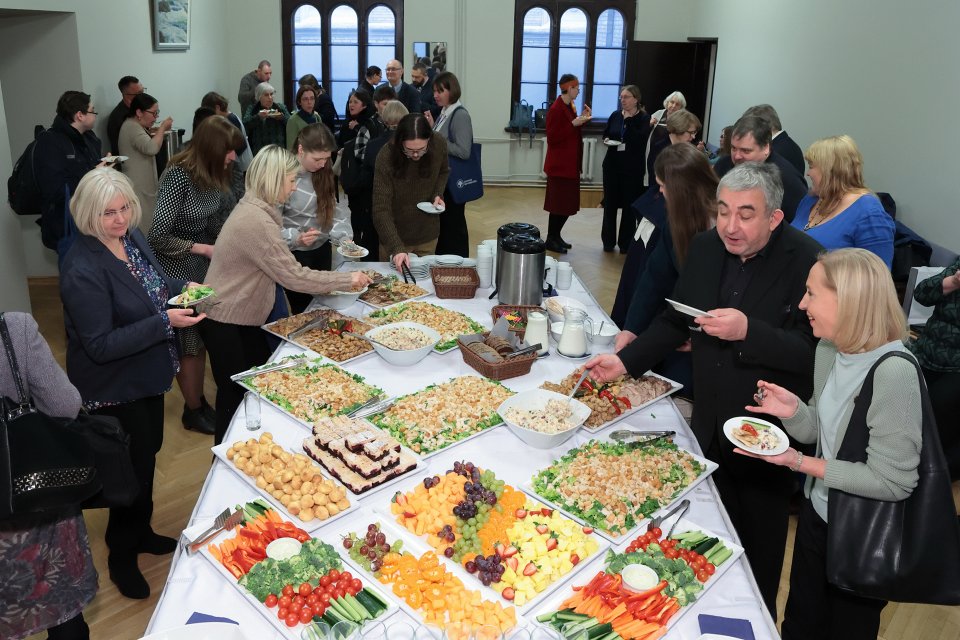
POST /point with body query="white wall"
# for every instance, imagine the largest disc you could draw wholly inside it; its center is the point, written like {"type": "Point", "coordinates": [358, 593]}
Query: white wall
{"type": "Point", "coordinates": [13, 276]}
{"type": "Point", "coordinates": [881, 71]}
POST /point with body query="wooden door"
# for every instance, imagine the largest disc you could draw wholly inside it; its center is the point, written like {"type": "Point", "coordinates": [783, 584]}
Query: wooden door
{"type": "Point", "coordinates": [660, 68]}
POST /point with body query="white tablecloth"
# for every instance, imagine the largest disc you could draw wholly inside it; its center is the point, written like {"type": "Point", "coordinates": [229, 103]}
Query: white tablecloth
{"type": "Point", "coordinates": [194, 585]}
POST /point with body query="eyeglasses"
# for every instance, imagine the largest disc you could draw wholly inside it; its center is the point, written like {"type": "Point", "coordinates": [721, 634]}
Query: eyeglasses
{"type": "Point", "coordinates": [693, 134]}
{"type": "Point", "coordinates": [91, 112]}
{"type": "Point", "coordinates": [394, 68]}
{"type": "Point", "coordinates": [155, 113]}
{"type": "Point", "coordinates": [111, 214]}
{"type": "Point", "coordinates": [414, 153]}
{"type": "Point", "coordinates": [134, 93]}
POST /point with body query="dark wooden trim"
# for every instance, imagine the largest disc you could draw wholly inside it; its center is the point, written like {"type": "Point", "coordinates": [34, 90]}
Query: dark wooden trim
{"type": "Point", "coordinates": [555, 9]}
{"type": "Point", "coordinates": [363, 8]}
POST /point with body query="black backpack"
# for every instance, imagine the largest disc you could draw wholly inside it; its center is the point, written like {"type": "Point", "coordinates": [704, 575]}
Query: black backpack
{"type": "Point", "coordinates": [23, 192]}
{"type": "Point", "coordinates": [354, 175]}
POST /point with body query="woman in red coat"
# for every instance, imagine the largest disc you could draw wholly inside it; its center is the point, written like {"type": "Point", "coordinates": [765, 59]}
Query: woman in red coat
{"type": "Point", "coordinates": [564, 158]}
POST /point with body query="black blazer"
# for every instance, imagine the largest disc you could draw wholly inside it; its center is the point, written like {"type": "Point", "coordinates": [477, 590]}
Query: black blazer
{"type": "Point", "coordinates": [779, 346]}
{"type": "Point", "coordinates": [794, 184]}
{"type": "Point", "coordinates": [789, 150]}
{"type": "Point", "coordinates": [410, 97]}
{"type": "Point", "coordinates": [116, 342]}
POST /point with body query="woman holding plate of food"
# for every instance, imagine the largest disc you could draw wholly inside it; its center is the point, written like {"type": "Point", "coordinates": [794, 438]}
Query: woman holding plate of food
{"type": "Point", "coordinates": [853, 309]}
{"type": "Point", "coordinates": [251, 260]}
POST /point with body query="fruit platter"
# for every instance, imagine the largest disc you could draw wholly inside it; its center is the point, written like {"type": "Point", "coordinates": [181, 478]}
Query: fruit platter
{"type": "Point", "coordinates": [291, 578]}
{"type": "Point", "coordinates": [612, 401]}
{"type": "Point", "coordinates": [429, 589]}
{"type": "Point", "coordinates": [509, 543]}
{"type": "Point", "coordinates": [644, 588]}
{"type": "Point", "coordinates": [441, 415]}
{"type": "Point", "coordinates": [323, 332]}
{"type": "Point", "coordinates": [311, 389]}
{"type": "Point", "coordinates": [448, 323]}
{"type": "Point", "coordinates": [291, 482]}
{"type": "Point", "coordinates": [615, 487]}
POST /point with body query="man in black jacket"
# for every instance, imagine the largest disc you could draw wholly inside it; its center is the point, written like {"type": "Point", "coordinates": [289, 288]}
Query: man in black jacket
{"type": "Point", "coordinates": [750, 142]}
{"type": "Point", "coordinates": [64, 154]}
{"type": "Point", "coordinates": [406, 93]}
{"type": "Point", "coordinates": [129, 88]}
{"type": "Point", "coordinates": [749, 274]}
{"type": "Point", "coordinates": [780, 143]}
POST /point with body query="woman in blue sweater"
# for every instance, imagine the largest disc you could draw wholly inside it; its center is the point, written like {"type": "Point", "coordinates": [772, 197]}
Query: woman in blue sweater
{"type": "Point", "coordinates": [840, 211]}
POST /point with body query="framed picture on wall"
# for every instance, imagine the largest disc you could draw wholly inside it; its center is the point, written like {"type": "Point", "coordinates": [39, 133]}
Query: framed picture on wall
{"type": "Point", "coordinates": [171, 25]}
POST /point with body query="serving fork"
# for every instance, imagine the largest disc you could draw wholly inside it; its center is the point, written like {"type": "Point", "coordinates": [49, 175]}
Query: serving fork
{"type": "Point", "coordinates": [681, 508]}
{"type": "Point", "coordinates": [225, 520]}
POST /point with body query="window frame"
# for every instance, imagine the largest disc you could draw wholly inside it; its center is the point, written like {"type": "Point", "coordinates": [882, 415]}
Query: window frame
{"type": "Point", "coordinates": [555, 9]}
{"type": "Point", "coordinates": [288, 9]}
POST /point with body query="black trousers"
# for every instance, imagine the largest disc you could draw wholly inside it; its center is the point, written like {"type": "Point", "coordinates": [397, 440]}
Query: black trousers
{"type": "Point", "coordinates": [143, 421]}
{"type": "Point", "coordinates": [73, 629]}
{"type": "Point", "coordinates": [319, 259]}
{"type": "Point", "coordinates": [759, 508]}
{"type": "Point", "coordinates": [361, 219]}
{"type": "Point", "coordinates": [944, 387]}
{"type": "Point", "coordinates": [233, 348]}
{"type": "Point", "coordinates": [816, 609]}
{"type": "Point", "coordinates": [453, 238]}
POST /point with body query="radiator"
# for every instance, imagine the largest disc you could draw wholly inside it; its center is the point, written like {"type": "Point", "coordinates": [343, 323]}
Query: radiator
{"type": "Point", "coordinates": [586, 170]}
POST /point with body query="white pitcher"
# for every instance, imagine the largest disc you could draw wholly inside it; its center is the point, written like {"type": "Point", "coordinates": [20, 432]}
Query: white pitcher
{"type": "Point", "coordinates": [574, 339]}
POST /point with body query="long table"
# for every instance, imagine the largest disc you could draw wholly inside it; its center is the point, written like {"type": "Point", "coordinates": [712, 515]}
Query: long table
{"type": "Point", "coordinates": [194, 585]}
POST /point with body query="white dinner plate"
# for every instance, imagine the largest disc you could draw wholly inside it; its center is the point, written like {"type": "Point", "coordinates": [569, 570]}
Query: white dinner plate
{"type": "Point", "coordinates": [174, 303]}
{"type": "Point", "coordinates": [687, 309]}
{"type": "Point", "coordinates": [612, 143]}
{"type": "Point", "coordinates": [782, 445]}
{"type": "Point", "coordinates": [114, 159]}
{"type": "Point", "coordinates": [427, 207]}
{"type": "Point", "coordinates": [365, 253]}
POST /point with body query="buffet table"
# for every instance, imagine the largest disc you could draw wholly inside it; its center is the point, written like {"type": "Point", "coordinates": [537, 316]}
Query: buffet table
{"type": "Point", "coordinates": [195, 585]}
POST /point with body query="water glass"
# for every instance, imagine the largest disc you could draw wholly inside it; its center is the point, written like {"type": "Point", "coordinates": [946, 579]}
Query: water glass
{"type": "Point", "coordinates": [251, 411]}
{"type": "Point", "coordinates": [517, 633]}
{"type": "Point", "coordinates": [374, 631]}
{"type": "Point", "coordinates": [400, 631]}
{"type": "Point", "coordinates": [545, 633]}
{"type": "Point", "coordinates": [315, 631]}
{"type": "Point", "coordinates": [457, 631]}
{"type": "Point", "coordinates": [345, 630]}
{"type": "Point", "coordinates": [487, 632]}
{"type": "Point", "coordinates": [428, 632]}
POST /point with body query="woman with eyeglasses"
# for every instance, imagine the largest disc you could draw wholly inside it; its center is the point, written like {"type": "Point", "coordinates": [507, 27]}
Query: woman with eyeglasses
{"type": "Point", "coordinates": [681, 126]}
{"type": "Point", "coordinates": [411, 169]}
{"type": "Point", "coordinates": [122, 348]}
{"type": "Point", "coordinates": [191, 202]}
{"type": "Point", "coordinates": [630, 127]}
{"type": "Point", "coordinates": [305, 114]}
{"type": "Point", "coordinates": [141, 143]}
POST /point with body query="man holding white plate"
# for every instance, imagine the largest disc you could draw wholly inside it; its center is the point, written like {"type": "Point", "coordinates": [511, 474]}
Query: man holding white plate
{"type": "Point", "coordinates": [749, 275]}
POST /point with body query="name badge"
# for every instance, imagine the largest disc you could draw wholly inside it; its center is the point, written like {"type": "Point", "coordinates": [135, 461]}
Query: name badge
{"type": "Point", "coordinates": [622, 147]}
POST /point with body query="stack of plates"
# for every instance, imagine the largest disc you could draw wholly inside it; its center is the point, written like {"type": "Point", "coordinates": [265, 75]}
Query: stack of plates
{"type": "Point", "coordinates": [449, 261]}
{"type": "Point", "coordinates": [419, 269]}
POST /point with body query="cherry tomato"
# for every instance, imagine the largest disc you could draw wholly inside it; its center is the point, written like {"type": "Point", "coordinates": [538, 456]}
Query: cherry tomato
{"type": "Point", "coordinates": [709, 568]}
{"type": "Point", "coordinates": [356, 584]}
{"type": "Point", "coordinates": [318, 608]}
{"type": "Point", "coordinates": [282, 613]}
{"type": "Point", "coordinates": [312, 599]}
{"type": "Point", "coordinates": [292, 619]}
{"type": "Point", "coordinates": [669, 554]}
{"type": "Point", "coordinates": [352, 591]}
{"type": "Point", "coordinates": [346, 576]}
{"type": "Point", "coordinates": [325, 598]}
{"type": "Point", "coordinates": [285, 602]}
{"type": "Point", "coordinates": [336, 595]}
{"type": "Point", "coordinates": [305, 589]}
{"type": "Point", "coordinates": [325, 581]}
{"type": "Point", "coordinates": [703, 576]}
{"type": "Point", "coordinates": [288, 590]}
{"type": "Point", "coordinates": [306, 615]}
{"type": "Point", "coordinates": [297, 602]}
{"type": "Point", "coordinates": [334, 575]}
{"type": "Point", "coordinates": [271, 601]}
{"type": "Point", "coordinates": [656, 531]}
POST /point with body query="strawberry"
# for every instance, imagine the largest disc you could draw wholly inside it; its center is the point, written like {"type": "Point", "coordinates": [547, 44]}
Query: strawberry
{"type": "Point", "coordinates": [530, 569]}
{"type": "Point", "coordinates": [509, 552]}
{"type": "Point", "coordinates": [399, 498]}
{"type": "Point", "coordinates": [588, 530]}
{"type": "Point", "coordinates": [508, 593]}
{"type": "Point", "coordinates": [546, 512]}
{"type": "Point", "coordinates": [574, 559]}
{"type": "Point", "coordinates": [409, 514]}
{"type": "Point", "coordinates": [500, 550]}
{"type": "Point", "coordinates": [542, 528]}
{"type": "Point", "coordinates": [520, 514]}
{"type": "Point", "coordinates": [551, 544]}
{"type": "Point", "coordinates": [513, 563]}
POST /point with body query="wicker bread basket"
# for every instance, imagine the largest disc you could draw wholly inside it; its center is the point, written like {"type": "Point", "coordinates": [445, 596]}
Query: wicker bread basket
{"type": "Point", "coordinates": [465, 281]}
{"type": "Point", "coordinates": [517, 309]}
{"type": "Point", "coordinates": [510, 368]}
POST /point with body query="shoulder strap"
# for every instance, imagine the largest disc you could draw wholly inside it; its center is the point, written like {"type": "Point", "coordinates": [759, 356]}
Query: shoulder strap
{"type": "Point", "coordinates": [12, 359]}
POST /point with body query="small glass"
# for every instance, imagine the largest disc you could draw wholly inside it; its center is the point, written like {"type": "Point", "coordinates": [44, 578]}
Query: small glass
{"type": "Point", "coordinates": [345, 630]}
{"type": "Point", "coordinates": [315, 631]}
{"type": "Point", "coordinates": [374, 631]}
{"type": "Point", "coordinates": [457, 631]}
{"type": "Point", "coordinates": [400, 631]}
{"type": "Point", "coordinates": [545, 633]}
{"type": "Point", "coordinates": [251, 411]}
{"type": "Point", "coordinates": [487, 632]}
{"type": "Point", "coordinates": [428, 632]}
{"type": "Point", "coordinates": [517, 633]}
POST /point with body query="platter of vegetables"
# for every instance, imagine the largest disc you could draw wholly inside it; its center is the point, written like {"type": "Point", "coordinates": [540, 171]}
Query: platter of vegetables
{"type": "Point", "coordinates": [289, 577]}
{"type": "Point", "coordinates": [644, 588]}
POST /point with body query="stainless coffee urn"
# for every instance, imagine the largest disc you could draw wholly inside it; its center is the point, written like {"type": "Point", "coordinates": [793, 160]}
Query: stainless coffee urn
{"type": "Point", "coordinates": [520, 270]}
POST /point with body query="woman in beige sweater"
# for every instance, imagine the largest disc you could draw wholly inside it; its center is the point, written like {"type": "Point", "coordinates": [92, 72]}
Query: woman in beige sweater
{"type": "Point", "coordinates": [251, 260]}
{"type": "Point", "coordinates": [411, 169]}
{"type": "Point", "coordinates": [140, 141]}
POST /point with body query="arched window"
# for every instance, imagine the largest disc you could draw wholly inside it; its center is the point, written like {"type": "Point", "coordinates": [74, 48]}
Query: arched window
{"type": "Point", "coordinates": [535, 56]}
{"type": "Point", "coordinates": [344, 54]}
{"type": "Point", "coordinates": [587, 38]}
{"type": "Point", "coordinates": [336, 40]}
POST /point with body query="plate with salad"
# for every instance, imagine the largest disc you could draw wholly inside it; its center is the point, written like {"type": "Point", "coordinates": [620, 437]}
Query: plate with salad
{"type": "Point", "coordinates": [191, 296]}
{"type": "Point", "coordinates": [756, 436]}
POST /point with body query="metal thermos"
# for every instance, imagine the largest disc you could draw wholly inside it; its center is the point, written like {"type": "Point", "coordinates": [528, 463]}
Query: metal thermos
{"type": "Point", "coordinates": [173, 141]}
{"type": "Point", "coordinates": [521, 270]}
{"type": "Point", "coordinates": [505, 231]}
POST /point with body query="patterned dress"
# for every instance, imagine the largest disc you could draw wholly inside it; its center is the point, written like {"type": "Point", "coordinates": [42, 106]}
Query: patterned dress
{"type": "Point", "coordinates": [185, 216]}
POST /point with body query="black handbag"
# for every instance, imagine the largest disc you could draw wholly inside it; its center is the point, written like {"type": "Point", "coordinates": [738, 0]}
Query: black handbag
{"type": "Point", "coordinates": [905, 551]}
{"type": "Point", "coordinates": [44, 466]}
{"type": "Point", "coordinates": [465, 182]}
{"type": "Point", "coordinates": [110, 445]}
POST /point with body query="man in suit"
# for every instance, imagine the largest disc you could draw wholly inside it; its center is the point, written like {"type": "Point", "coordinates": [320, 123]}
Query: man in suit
{"type": "Point", "coordinates": [249, 82]}
{"type": "Point", "coordinates": [750, 142]}
{"type": "Point", "coordinates": [129, 87]}
{"type": "Point", "coordinates": [780, 141]}
{"type": "Point", "coordinates": [406, 94]}
{"type": "Point", "coordinates": [749, 273]}
{"type": "Point", "coordinates": [423, 83]}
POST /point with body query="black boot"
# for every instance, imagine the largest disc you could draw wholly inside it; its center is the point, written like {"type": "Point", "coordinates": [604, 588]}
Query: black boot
{"type": "Point", "coordinates": [554, 244]}
{"type": "Point", "coordinates": [156, 544]}
{"type": "Point", "coordinates": [197, 420]}
{"type": "Point", "coordinates": [566, 244]}
{"type": "Point", "coordinates": [125, 573]}
{"type": "Point", "coordinates": [208, 411]}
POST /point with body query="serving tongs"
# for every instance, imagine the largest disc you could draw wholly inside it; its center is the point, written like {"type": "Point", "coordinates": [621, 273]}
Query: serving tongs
{"type": "Point", "coordinates": [255, 371]}
{"type": "Point", "coordinates": [371, 408]}
{"type": "Point", "coordinates": [405, 270]}
{"type": "Point", "coordinates": [628, 436]}
{"type": "Point", "coordinates": [310, 326]}
{"type": "Point", "coordinates": [681, 508]}
{"type": "Point", "coordinates": [224, 521]}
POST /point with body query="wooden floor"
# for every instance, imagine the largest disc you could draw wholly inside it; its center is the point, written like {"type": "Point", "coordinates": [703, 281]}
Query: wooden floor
{"type": "Point", "coordinates": [185, 458]}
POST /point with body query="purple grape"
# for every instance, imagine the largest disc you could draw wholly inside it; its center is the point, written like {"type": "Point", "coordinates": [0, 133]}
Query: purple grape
{"type": "Point", "coordinates": [448, 552]}
{"type": "Point", "coordinates": [470, 566]}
